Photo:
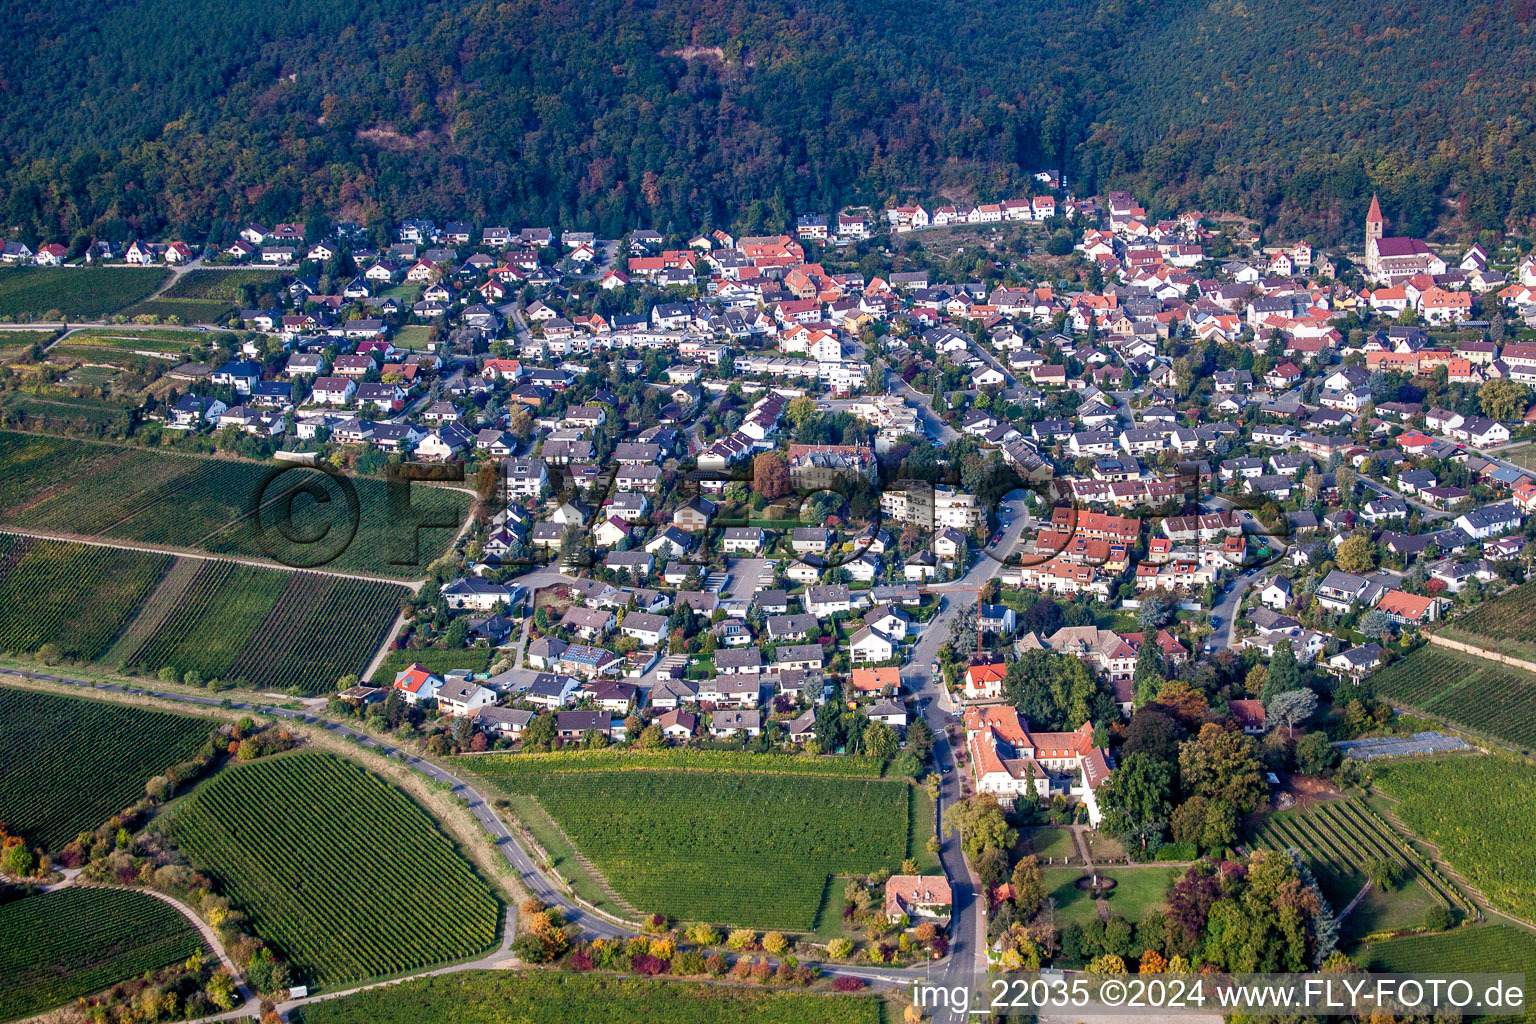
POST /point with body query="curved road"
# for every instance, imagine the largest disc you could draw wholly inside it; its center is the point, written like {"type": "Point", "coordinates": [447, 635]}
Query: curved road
{"type": "Point", "coordinates": [592, 925]}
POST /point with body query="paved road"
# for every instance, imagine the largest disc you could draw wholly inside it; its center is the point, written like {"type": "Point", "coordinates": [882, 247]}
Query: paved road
{"type": "Point", "coordinates": [1429, 511]}
{"type": "Point", "coordinates": [937, 428]}
{"type": "Point", "coordinates": [968, 928]}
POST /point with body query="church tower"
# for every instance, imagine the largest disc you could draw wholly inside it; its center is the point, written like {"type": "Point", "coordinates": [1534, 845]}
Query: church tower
{"type": "Point", "coordinates": [1374, 223]}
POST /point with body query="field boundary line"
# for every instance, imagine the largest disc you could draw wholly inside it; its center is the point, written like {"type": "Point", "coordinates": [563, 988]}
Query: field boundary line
{"type": "Point", "coordinates": [157, 604]}
{"type": "Point", "coordinates": [160, 549]}
{"type": "Point", "coordinates": [585, 861]}
{"type": "Point", "coordinates": [1481, 652]}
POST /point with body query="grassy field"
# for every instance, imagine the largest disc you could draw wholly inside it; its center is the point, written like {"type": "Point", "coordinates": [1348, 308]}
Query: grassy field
{"type": "Point", "coordinates": [1137, 890]}
{"type": "Point", "coordinates": [343, 873]}
{"type": "Point", "coordinates": [269, 628]}
{"type": "Point", "coordinates": [494, 997]}
{"type": "Point", "coordinates": [59, 946]}
{"type": "Point", "coordinates": [1475, 693]}
{"type": "Point", "coordinates": [413, 336]}
{"type": "Point", "coordinates": [76, 596]}
{"type": "Point", "coordinates": [1053, 844]}
{"type": "Point", "coordinates": [726, 846]}
{"type": "Point", "coordinates": [1493, 948]}
{"type": "Point", "coordinates": [76, 293]}
{"type": "Point", "coordinates": [437, 660]}
{"type": "Point", "coordinates": [93, 489]}
{"type": "Point", "coordinates": [1481, 813]}
{"type": "Point", "coordinates": [68, 764]}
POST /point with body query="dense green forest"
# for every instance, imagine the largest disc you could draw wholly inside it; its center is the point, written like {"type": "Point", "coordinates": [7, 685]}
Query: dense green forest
{"type": "Point", "coordinates": [123, 117]}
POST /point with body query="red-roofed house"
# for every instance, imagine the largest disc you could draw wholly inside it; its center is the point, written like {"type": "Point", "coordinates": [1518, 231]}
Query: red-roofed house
{"type": "Point", "coordinates": [985, 682]}
{"type": "Point", "coordinates": [875, 680]}
{"type": "Point", "coordinates": [1408, 609]}
{"type": "Point", "coordinates": [1249, 715]}
{"type": "Point", "coordinates": [416, 684]}
{"type": "Point", "coordinates": [913, 896]}
{"type": "Point", "coordinates": [1007, 759]}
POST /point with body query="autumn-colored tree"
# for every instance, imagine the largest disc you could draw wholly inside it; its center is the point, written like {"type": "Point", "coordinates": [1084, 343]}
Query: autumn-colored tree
{"type": "Point", "coordinates": [1357, 554]}
{"type": "Point", "coordinates": [1106, 963]}
{"type": "Point", "coordinates": [1152, 962]}
{"type": "Point", "coordinates": [770, 476]}
{"type": "Point", "coordinates": [1183, 701]}
{"type": "Point", "coordinates": [1028, 886]}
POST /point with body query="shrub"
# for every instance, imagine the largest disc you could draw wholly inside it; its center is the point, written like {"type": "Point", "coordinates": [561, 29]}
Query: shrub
{"type": "Point", "coordinates": [847, 984]}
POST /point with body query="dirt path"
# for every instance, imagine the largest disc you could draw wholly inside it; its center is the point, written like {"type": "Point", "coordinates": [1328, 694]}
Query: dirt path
{"type": "Point", "coordinates": [383, 651]}
{"type": "Point", "coordinates": [160, 549]}
{"type": "Point", "coordinates": [153, 610]}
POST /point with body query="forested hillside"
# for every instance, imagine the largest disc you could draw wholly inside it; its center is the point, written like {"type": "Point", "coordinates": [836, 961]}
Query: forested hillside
{"type": "Point", "coordinates": [161, 115]}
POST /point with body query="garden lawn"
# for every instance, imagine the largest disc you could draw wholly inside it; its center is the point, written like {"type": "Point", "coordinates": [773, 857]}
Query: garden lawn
{"type": "Point", "coordinates": [1053, 844]}
{"type": "Point", "coordinates": [1137, 891]}
{"type": "Point", "coordinates": [499, 997]}
{"type": "Point", "coordinates": [59, 946]}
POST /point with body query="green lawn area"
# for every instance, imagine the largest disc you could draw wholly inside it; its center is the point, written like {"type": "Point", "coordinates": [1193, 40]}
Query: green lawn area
{"type": "Point", "coordinates": [408, 293]}
{"type": "Point", "coordinates": [1053, 845]}
{"type": "Point", "coordinates": [1398, 909]}
{"type": "Point", "coordinates": [1137, 890]}
{"type": "Point", "coordinates": [413, 336]}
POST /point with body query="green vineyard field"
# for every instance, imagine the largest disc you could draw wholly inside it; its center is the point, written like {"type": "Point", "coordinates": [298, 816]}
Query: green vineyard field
{"type": "Point", "coordinates": [78, 293]}
{"type": "Point", "coordinates": [271, 628]}
{"type": "Point", "coordinates": [728, 847]}
{"type": "Point", "coordinates": [340, 871]}
{"type": "Point", "coordinates": [67, 764]}
{"type": "Point", "coordinates": [500, 997]}
{"type": "Point", "coordinates": [1480, 695]}
{"type": "Point", "coordinates": [1495, 948]}
{"type": "Point", "coordinates": [187, 501]}
{"type": "Point", "coordinates": [62, 945]}
{"type": "Point", "coordinates": [1481, 813]}
{"type": "Point", "coordinates": [77, 596]}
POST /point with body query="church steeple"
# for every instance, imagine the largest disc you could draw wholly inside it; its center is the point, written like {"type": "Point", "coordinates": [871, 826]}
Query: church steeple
{"type": "Point", "coordinates": [1375, 223]}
